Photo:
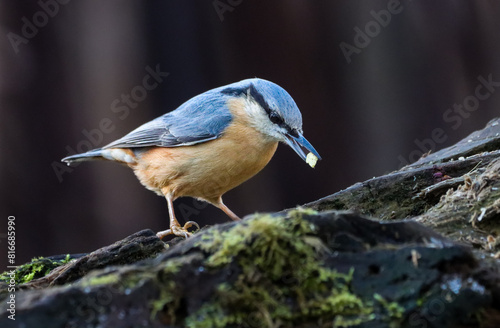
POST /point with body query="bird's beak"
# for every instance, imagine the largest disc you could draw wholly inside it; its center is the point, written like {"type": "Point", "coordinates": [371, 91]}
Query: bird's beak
{"type": "Point", "coordinates": [299, 143]}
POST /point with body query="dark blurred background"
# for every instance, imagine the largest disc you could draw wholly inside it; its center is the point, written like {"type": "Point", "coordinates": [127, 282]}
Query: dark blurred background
{"type": "Point", "coordinates": [378, 83]}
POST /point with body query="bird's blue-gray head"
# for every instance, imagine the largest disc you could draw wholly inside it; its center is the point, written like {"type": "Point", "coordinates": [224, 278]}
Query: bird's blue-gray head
{"type": "Point", "coordinates": [273, 112]}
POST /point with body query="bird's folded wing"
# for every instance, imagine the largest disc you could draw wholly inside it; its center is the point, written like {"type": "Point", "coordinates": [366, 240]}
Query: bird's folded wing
{"type": "Point", "coordinates": [200, 119]}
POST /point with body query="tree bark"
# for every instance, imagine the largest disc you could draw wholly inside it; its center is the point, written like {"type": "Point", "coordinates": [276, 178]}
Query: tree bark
{"type": "Point", "coordinates": [341, 261]}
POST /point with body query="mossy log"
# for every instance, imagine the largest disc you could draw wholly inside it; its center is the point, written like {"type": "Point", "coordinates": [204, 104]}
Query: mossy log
{"type": "Point", "coordinates": [454, 191]}
{"type": "Point", "coordinates": [322, 265]}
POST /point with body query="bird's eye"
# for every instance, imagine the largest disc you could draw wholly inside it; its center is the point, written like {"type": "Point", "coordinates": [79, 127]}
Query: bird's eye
{"type": "Point", "coordinates": [275, 118]}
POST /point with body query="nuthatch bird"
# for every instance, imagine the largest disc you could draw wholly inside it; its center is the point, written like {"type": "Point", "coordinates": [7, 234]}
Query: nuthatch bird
{"type": "Point", "coordinates": [210, 144]}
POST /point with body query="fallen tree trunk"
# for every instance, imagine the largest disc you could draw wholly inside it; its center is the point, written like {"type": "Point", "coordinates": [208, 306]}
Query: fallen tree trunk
{"type": "Point", "coordinates": [454, 191]}
{"type": "Point", "coordinates": [317, 266]}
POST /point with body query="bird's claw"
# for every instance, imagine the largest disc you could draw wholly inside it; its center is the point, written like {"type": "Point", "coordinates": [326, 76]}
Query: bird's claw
{"type": "Point", "coordinates": [177, 230]}
{"type": "Point", "coordinates": [190, 224]}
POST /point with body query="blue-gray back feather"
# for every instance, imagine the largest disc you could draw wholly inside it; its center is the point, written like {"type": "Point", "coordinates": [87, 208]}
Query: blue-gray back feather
{"type": "Point", "coordinates": [200, 119]}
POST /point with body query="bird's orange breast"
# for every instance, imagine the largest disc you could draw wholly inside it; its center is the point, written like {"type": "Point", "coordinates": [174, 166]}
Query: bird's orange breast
{"type": "Point", "coordinates": [208, 170]}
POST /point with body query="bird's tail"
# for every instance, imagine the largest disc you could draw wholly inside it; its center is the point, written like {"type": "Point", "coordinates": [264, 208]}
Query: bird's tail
{"type": "Point", "coordinates": [124, 156]}
{"type": "Point", "coordinates": [88, 156]}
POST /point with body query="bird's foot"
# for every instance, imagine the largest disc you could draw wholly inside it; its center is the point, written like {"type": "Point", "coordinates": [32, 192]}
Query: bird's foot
{"type": "Point", "coordinates": [177, 230]}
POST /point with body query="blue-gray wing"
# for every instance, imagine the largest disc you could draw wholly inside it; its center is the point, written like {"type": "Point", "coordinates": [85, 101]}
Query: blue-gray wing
{"type": "Point", "coordinates": [200, 119]}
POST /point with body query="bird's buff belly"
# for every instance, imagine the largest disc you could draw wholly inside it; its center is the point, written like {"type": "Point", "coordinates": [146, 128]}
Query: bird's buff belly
{"type": "Point", "coordinates": [204, 171]}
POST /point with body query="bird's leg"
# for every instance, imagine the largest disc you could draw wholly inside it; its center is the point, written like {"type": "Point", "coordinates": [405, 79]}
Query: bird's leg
{"type": "Point", "coordinates": [175, 227]}
{"type": "Point", "coordinates": [226, 210]}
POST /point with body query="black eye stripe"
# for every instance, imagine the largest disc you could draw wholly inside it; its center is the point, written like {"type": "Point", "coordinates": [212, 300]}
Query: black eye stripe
{"type": "Point", "coordinates": [293, 132]}
{"type": "Point", "coordinates": [259, 98]}
{"type": "Point", "coordinates": [254, 93]}
{"type": "Point", "coordinates": [275, 118]}
{"type": "Point", "coordinates": [236, 92]}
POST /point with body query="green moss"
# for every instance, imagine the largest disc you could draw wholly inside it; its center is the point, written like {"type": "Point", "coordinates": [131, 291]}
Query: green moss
{"type": "Point", "coordinates": [300, 211]}
{"type": "Point", "coordinates": [282, 281]}
{"type": "Point", "coordinates": [168, 302]}
{"type": "Point", "coordinates": [37, 268]}
{"type": "Point", "coordinates": [102, 279]}
{"type": "Point", "coordinates": [394, 310]}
